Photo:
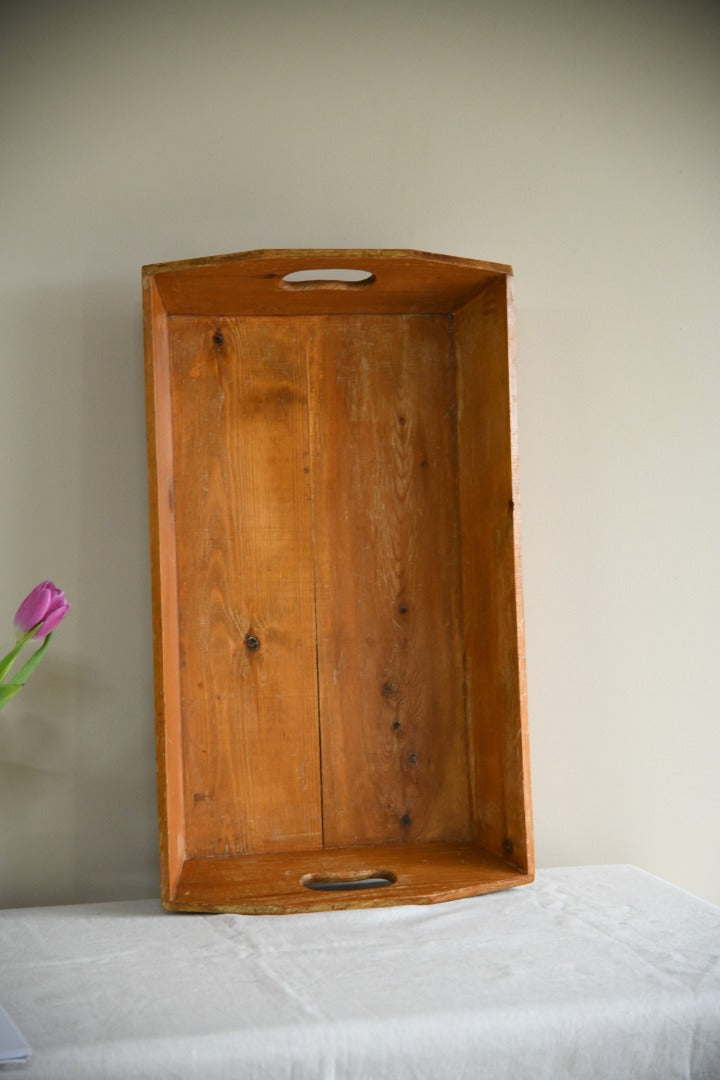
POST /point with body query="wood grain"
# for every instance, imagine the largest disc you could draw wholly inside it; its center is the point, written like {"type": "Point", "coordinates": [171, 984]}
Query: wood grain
{"type": "Point", "coordinates": [394, 753]}
{"type": "Point", "coordinates": [245, 583]}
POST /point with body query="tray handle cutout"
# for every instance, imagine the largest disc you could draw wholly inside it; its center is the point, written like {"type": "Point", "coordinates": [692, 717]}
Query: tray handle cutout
{"type": "Point", "coordinates": [327, 279]}
{"type": "Point", "coordinates": [336, 883]}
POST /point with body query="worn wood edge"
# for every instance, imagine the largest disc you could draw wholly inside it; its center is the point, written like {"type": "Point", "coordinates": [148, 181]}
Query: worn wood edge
{"type": "Point", "coordinates": [529, 861]}
{"type": "Point", "coordinates": [155, 337]}
{"type": "Point", "coordinates": [149, 302]}
{"type": "Point", "coordinates": [347, 254]}
{"type": "Point", "coordinates": [439, 896]}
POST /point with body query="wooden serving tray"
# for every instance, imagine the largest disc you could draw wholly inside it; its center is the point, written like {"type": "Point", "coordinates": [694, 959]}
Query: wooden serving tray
{"type": "Point", "coordinates": [339, 658]}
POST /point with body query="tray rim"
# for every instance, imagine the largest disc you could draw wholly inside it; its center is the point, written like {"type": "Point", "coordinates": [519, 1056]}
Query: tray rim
{"type": "Point", "coordinates": [289, 254]}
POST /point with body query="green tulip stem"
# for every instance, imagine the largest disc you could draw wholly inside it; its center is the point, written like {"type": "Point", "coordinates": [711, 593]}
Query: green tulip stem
{"type": "Point", "coordinates": [7, 661]}
{"type": "Point", "coordinates": [29, 666]}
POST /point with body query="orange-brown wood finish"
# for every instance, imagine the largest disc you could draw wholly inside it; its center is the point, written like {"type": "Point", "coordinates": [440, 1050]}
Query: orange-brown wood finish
{"type": "Point", "coordinates": [337, 601]}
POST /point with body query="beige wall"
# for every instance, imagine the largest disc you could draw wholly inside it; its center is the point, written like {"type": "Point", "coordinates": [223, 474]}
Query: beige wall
{"type": "Point", "coordinates": [576, 140]}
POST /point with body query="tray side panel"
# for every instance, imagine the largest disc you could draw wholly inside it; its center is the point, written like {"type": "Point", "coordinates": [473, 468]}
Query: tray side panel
{"type": "Point", "coordinates": [245, 586]}
{"type": "Point", "coordinates": [272, 884]}
{"type": "Point", "coordinates": [394, 743]}
{"type": "Point", "coordinates": [251, 283]}
{"type": "Point", "coordinates": [493, 621]}
{"type": "Point", "coordinates": [171, 812]}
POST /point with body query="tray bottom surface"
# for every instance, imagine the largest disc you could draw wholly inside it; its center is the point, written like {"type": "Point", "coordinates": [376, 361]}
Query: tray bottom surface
{"type": "Point", "coordinates": [332, 878]}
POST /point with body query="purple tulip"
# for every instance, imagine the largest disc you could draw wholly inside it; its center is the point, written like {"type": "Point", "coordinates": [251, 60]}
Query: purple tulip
{"type": "Point", "coordinates": [43, 608]}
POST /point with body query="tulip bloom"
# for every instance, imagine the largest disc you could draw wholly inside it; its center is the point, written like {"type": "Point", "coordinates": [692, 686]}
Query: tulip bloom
{"type": "Point", "coordinates": [37, 616]}
{"type": "Point", "coordinates": [41, 610]}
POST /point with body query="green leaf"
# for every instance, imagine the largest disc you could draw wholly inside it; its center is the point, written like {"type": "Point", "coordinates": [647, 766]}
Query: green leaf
{"type": "Point", "coordinates": [29, 666]}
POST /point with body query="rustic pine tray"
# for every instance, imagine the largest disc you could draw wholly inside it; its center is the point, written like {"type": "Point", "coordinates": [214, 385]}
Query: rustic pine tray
{"type": "Point", "coordinates": [338, 632]}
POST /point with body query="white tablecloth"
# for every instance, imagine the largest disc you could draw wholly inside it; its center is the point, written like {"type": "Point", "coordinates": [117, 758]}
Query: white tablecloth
{"type": "Point", "coordinates": [592, 972]}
